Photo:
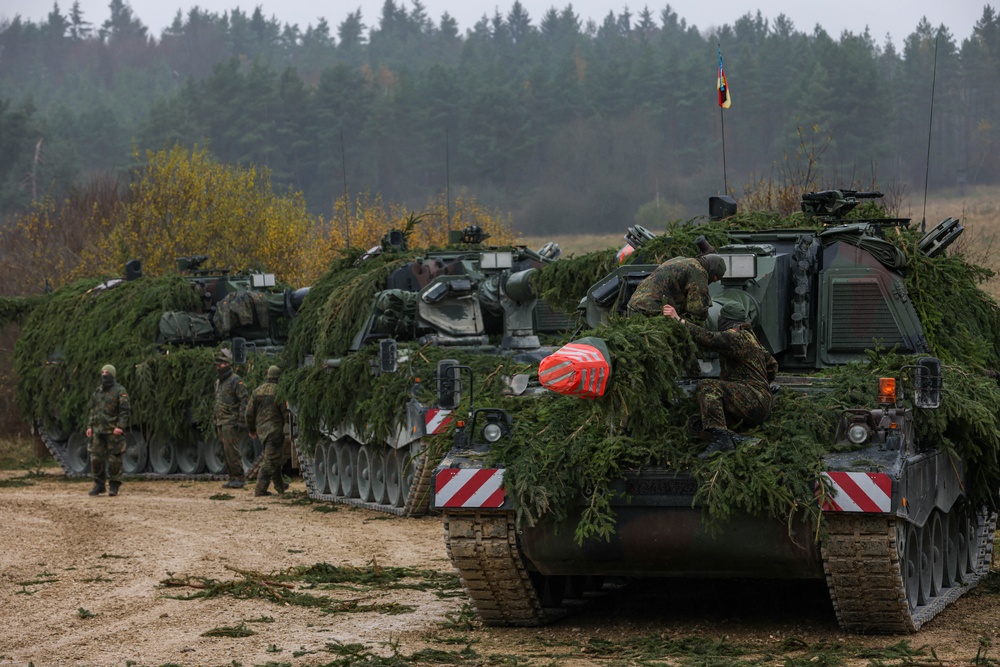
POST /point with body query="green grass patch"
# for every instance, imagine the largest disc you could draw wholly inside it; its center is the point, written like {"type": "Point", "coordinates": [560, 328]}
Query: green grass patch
{"type": "Point", "coordinates": [19, 454]}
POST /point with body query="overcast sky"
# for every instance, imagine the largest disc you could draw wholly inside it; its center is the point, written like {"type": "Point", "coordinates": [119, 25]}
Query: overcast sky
{"type": "Point", "coordinates": [897, 18]}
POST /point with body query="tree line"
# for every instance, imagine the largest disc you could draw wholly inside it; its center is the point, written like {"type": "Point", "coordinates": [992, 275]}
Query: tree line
{"type": "Point", "coordinates": [569, 125]}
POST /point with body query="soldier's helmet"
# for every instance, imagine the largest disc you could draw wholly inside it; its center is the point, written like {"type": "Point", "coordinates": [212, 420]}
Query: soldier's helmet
{"type": "Point", "coordinates": [109, 369]}
{"type": "Point", "coordinates": [273, 373]}
{"type": "Point", "coordinates": [733, 314]}
{"type": "Point", "coordinates": [715, 265]}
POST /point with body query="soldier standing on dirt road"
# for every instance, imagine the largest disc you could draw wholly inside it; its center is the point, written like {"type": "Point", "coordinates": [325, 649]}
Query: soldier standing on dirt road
{"type": "Point", "coordinates": [266, 419]}
{"type": "Point", "coordinates": [681, 282]}
{"type": "Point", "coordinates": [230, 406]}
{"type": "Point", "coordinates": [109, 417]}
{"type": "Point", "coordinates": [742, 393]}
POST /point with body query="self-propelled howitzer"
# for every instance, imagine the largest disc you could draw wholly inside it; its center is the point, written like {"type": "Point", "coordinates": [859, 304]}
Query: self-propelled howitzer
{"type": "Point", "coordinates": [896, 520]}
{"type": "Point", "coordinates": [363, 426]}
{"type": "Point", "coordinates": [161, 333]}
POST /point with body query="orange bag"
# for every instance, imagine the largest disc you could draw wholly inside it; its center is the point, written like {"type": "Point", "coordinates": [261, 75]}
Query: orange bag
{"type": "Point", "coordinates": [580, 368]}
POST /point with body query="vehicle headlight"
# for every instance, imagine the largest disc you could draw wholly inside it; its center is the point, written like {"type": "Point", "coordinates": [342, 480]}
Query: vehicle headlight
{"type": "Point", "coordinates": [858, 434]}
{"type": "Point", "coordinates": [492, 432]}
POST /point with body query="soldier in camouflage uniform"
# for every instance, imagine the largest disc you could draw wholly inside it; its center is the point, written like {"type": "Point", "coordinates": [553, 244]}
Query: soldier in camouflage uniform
{"type": "Point", "coordinates": [681, 282]}
{"type": "Point", "coordinates": [266, 419]}
{"type": "Point", "coordinates": [230, 407]}
{"type": "Point", "coordinates": [741, 396]}
{"type": "Point", "coordinates": [109, 417]}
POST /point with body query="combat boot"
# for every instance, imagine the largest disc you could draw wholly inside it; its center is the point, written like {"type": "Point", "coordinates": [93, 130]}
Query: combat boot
{"type": "Point", "coordinates": [261, 488]}
{"type": "Point", "coordinates": [234, 484]}
{"type": "Point", "coordinates": [279, 484]}
{"type": "Point", "coordinates": [720, 440]}
{"type": "Point", "coordinates": [113, 491]}
{"type": "Point", "coordinates": [97, 490]}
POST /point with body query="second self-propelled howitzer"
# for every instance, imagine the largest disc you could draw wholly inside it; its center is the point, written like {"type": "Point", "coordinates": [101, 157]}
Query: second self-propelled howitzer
{"type": "Point", "coordinates": [161, 333]}
{"type": "Point", "coordinates": [417, 306]}
{"type": "Point", "coordinates": [858, 478]}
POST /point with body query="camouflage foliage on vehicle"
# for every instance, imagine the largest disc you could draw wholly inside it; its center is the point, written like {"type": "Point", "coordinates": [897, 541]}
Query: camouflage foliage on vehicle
{"type": "Point", "coordinates": [75, 330]}
{"type": "Point", "coordinates": [565, 449]}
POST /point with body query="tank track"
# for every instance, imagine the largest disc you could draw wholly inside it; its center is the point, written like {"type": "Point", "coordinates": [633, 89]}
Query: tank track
{"type": "Point", "coordinates": [58, 452]}
{"type": "Point", "coordinates": [483, 547]}
{"type": "Point", "coordinates": [417, 501]}
{"type": "Point", "coordinates": [864, 573]}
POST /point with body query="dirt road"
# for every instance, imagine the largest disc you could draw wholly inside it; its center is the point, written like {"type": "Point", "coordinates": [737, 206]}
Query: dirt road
{"type": "Point", "coordinates": [84, 581]}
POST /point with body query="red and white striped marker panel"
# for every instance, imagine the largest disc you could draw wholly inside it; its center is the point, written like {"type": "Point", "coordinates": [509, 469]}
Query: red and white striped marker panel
{"type": "Point", "coordinates": [437, 420]}
{"type": "Point", "coordinates": [859, 492]}
{"type": "Point", "coordinates": [469, 488]}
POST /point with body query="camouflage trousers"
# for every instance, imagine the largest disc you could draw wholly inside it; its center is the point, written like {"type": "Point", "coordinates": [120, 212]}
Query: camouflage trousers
{"type": "Point", "coordinates": [106, 451]}
{"type": "Point", "coordinates": [231, 437]}
{"type": "Point", "coordinates": [270, 466]}
{"type": "Point", "coordinates": [728, 405]}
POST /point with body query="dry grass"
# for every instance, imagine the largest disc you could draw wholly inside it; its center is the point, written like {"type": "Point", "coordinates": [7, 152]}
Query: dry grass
{"type": "Point", "coordinates": [978, 209]}
{"type": "Point", "coordinates": [18, 453]}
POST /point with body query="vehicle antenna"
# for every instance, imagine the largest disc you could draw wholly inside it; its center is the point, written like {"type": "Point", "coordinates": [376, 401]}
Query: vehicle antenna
{"type": "Point", "coordinates": [447, 175]}
{"type": "Point", "coordinates": [347, 206]}
{"type": "Point", "coordinates": [930, 123]}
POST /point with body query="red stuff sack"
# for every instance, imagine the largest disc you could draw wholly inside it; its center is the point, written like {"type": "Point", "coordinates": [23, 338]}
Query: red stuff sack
{"type": "Point", "coordinates": [580, 368]}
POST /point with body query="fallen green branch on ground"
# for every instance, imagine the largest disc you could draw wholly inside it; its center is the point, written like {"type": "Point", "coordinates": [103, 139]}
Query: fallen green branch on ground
{"type": "Point", "coordinates": [288, 586]}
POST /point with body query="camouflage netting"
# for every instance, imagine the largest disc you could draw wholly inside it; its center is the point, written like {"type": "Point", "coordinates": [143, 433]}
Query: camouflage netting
{"type": "Point", "coordinates": [75, 330]}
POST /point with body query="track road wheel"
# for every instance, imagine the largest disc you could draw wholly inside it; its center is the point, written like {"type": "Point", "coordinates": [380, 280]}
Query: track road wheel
{"type": "Point", "coordinates": [937, 552]}
{"type": "Point", "coordinates": [952, 540]}
{"type": "Point", "coordinates": [393, 481]}
{"type": "Point", "coordinates": [363, 472]}
{"type": "Point", "coordinates": [190, 457]}
{"type": "Point", "coordinates": [320, 468]}
{"type": "Point", "coordinates": [77, 456]}
{"type": "Point", "coordinates": [376, 459]}
{"type": "Point", "coordinates": [911, 566]}
{"type": "Point", "coordinates": [162, 454]}
{"type": "Point", "coordinates": [214, 455]}
{"type": "Point", "coordinates": [333, 472]}
{"type": "Point", "coordinates": [347, 458]}
{"type": "Point", "coordinates": [407, 473]}
{"type": "Point", "coordinates": [136, 452]}
{"type": "Point", "coordinates": [250, 451]}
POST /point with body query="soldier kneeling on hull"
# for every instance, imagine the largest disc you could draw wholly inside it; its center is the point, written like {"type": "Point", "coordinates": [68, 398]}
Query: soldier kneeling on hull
{"type": "Point", "coordinates": [742, 393]}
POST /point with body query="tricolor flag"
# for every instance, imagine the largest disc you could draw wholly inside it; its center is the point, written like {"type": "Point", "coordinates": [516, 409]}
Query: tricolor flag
{"type": "Point", "coordinates": [724, 100]}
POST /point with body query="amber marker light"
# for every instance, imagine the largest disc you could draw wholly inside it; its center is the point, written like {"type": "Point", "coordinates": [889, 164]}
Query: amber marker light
{"type": "Point", "coordinates": [887, 390]}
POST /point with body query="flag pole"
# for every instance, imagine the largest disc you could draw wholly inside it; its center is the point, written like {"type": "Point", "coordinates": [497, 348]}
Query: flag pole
{"type": "Point", "coordinates": [724, 102]}
{"type": "Point", "coordinates": [725, 177]}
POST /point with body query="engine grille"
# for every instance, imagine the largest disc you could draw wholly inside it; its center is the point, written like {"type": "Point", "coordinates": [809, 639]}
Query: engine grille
{"type": "Point", "coordinates": [860, 315]}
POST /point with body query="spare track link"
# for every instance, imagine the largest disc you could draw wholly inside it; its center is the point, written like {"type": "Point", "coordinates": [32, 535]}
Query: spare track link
{"type": "Point", "coordinates": [417, 502]}
{"type": "Point", "coordinates": [484, 550]}
{"type": "Point", "coordinates": [865, 575]}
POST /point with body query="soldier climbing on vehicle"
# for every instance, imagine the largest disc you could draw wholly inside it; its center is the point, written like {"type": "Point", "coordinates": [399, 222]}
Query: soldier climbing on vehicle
{"type": "Point", "coordinates": [681, 282]}
{"type": "Point", "coordinates": [741, 396]}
